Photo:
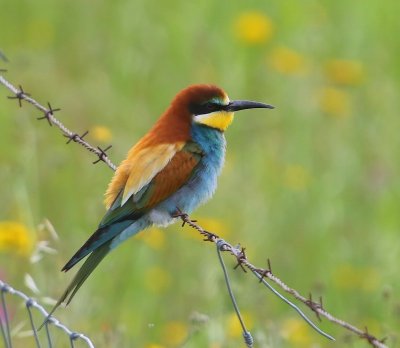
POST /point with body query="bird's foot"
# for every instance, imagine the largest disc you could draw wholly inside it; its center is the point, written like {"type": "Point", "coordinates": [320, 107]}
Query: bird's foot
{"type": "Point", "coordinates": [183, 216]}
{"type": "Point", "coordinates": [209, 236]}
{"type": "Point", "coordinates": [179, 214]}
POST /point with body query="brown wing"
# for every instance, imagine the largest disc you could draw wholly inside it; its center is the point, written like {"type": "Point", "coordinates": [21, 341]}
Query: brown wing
{"type": "Point", "coordinates": [170, 179]}
{"type": "Point", "coordinates": [138, 169]}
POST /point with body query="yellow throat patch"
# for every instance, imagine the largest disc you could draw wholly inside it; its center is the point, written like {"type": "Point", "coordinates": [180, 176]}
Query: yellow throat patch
{"type": "Point", "coordinates": [219, 119]}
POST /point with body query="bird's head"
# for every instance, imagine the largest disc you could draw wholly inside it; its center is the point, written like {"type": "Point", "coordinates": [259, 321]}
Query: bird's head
{"type": "Point", "coordinates": [210, 105]}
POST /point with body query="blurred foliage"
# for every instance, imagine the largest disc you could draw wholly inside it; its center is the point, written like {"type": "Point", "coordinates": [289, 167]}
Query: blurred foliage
{"type": "Point", "coordinates": [312, 185]}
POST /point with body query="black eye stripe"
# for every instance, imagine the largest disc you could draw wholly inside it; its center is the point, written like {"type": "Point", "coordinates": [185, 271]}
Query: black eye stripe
{"type": "Point", "coordinates": [205, 108]}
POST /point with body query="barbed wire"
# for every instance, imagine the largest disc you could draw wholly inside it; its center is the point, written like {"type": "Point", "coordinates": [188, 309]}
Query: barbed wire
{"type": "Point", "coordinates": [222, 245]}
{"type": "Point", "coordinates": [262, 273]}
{"type": "Point", "coordinates": [30, 303]}
{"type": "Point", "coordinates": [48, 114]}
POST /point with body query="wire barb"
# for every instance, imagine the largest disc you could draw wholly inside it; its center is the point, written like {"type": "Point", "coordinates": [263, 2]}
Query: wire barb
{"type": "Point", "coordinates": [370, 338]}
{"type": "Point", "coordinates": [265, 272]}
{"type": "Point", "coordinates": [102, 154]}
{"type": "Point", "coordinates": [75, 137]}
{"type": "Point", "coordinates": [240, 258]}
{"type": "Point", "coordinates": [48, 114]}
{"type": "Point", "coordinates": [315, 306]}
{"type": "Point", "coordinates": [20, 95]}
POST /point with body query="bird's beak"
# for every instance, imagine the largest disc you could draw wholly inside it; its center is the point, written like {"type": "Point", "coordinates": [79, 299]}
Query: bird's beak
{"type": "Point", "coordinates": [237, 105]}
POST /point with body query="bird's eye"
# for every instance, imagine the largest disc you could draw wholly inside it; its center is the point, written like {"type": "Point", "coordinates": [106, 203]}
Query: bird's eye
{"type": "Point", "coordinates": [210, 106]}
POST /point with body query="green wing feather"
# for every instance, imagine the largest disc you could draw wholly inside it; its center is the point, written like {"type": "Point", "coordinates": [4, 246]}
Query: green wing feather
{"type": "Point", "coordinates": [87, 268]}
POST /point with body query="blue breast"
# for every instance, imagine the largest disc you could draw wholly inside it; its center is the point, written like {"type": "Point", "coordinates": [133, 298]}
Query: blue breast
{"type": "Point", "coordinates": [203, 182]}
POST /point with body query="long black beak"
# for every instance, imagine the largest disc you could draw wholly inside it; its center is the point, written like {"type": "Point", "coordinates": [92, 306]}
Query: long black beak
{"type": "Point", "coordinates": [237, 105]}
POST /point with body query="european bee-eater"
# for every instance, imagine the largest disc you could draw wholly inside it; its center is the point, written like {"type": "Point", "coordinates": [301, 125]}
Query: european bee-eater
{"type": "Point", "coordinates": [172, 169]}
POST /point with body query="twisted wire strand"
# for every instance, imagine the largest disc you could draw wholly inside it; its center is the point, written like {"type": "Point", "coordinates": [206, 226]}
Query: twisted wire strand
{"type": "Point", "coordinates": [248, 339]}
{"type": "Point", "coordinates": [31, 303]}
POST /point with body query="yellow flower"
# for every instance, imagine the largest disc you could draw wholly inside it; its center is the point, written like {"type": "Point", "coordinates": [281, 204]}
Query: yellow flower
{"type": "Point", "coordinates": [335, 102]}
{"type": "Point", "coordinates": [153, 237]}
{"type": "Point", "coordinates": [297, 332]}
{"type": "Point", "coordinates": [345, 72]}
{"type": "Point", "coordinates": [174, 333]}
{"type": "Point", "coordinates": [15, 237]}
{"type": "Point", "coordinates": [287, 61]}
{"type": "Point", "coordinates": [348, 277]}
{"type": "Point", "coordinates": [234, 329]}
{"type": "Point", "coordinates": [253, 27]}
{"type": "Point", "coordinates": [296, 177]}
{"type": "Point", "coordinates": [154, 345]}
{"type": "Point", "coordinates": [101, 134]}
{"type": "Point", "coordinates": [157, 280]}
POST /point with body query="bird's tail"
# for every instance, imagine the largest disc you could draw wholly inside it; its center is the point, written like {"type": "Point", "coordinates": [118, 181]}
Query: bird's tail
{"type": "Point", "coordinates": [86, 269]}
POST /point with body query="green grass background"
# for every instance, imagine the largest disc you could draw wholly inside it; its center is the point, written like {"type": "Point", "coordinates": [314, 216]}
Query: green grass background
{"type": "Point", "coordinates": [118, 64]}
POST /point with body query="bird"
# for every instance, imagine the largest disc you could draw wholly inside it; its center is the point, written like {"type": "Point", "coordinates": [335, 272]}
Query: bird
{"type": "Point", "coordinates": [171, 169]}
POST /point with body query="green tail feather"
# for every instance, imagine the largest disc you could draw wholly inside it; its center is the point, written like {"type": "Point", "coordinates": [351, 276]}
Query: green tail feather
{"type": "Point", "coordinates": [87, 268]}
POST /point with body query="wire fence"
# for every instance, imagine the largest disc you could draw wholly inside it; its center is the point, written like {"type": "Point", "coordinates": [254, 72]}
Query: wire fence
{"type": "Point", "coordinates": [11, 328]}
